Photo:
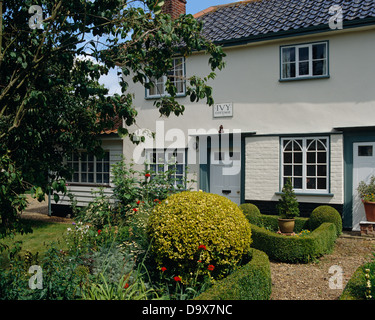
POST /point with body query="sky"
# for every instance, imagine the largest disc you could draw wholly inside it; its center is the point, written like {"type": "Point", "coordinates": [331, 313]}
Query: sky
{"type": "Point", "coordinates": [192, 7]}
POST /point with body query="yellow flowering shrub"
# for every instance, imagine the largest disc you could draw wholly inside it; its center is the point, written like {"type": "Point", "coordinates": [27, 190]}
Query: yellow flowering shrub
{"type": "Point", "coordinates": [197, 227]}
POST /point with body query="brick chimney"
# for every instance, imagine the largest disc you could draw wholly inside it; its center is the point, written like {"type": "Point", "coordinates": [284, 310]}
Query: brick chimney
{"type": "Point", "coordinates": [174, 8]}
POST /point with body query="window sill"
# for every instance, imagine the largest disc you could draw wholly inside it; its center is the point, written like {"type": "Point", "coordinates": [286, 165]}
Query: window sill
{"type": "Point", "coordinates": [179, 95]}
{"type": "Point", "coordinates": [94, 185]}
{"type": "Point", "coordinates": [305, 78]}
{"type": "Point", "coordinates": [308, 194]}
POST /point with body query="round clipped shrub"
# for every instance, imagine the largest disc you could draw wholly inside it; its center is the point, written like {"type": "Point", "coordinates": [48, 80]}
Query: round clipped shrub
{"type": "Point", "coordinates": [326, 214]}
{"type": "Point", "coordinates": [252, 213]}
{"type": "Point", "coordinates": [196, 229]}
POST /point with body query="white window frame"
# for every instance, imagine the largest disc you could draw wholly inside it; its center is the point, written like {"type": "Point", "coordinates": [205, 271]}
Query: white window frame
{"type": "Point", "coordinates": [165, 158]}
{"type": "Point", "coordinates": [77, 159]}
{"type": "Point", "coordinates": [305, 176]}
{"type": "Point", "coordinates": [162, 80]}
{"type": "Point", "coordinates": [297, 61]}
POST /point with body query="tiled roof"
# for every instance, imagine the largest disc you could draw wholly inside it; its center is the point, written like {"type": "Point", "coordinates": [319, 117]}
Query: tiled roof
{"type": "Point", "coordinates": [260, 18]}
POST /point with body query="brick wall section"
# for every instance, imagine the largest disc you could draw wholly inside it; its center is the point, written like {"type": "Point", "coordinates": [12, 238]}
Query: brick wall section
{"type": "Point", "coordinates": [262, 170]}
{"type": "Point", "coordinates": [337, 167]}
{"type": "Point", "coordinates": [174, 8]}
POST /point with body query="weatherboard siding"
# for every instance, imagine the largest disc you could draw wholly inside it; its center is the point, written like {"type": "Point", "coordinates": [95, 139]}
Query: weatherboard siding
{"type": "Point", "coordinates": [84, 193]}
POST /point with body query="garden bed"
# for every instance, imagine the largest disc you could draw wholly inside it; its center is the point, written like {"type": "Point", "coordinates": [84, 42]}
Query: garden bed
{"type": "Point", "coordinates": [360, 284]}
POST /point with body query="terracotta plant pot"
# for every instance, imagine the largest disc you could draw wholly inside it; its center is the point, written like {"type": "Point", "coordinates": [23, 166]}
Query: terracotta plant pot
{"type": "Point", "coordinates": [286, 225]}
{"type": "Point", "coordinates": [369, 210]}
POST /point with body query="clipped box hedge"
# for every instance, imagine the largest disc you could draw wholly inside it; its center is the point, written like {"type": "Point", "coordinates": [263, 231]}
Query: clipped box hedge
{"type": "Point", "coordinates": [250, 282]}
{"type": "Point", "coordinates": [295, 249]}
{"type": "Point", "coordinates": [355, 289]}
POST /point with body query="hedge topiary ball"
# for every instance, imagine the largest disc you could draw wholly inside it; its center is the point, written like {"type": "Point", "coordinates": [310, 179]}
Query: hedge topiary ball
{"type": "Point", "coordinates": [191, 230]}
{"type": "Point", "coordinates": [323, 214]}
{"type": "Point", "coordinates": [252, 213]}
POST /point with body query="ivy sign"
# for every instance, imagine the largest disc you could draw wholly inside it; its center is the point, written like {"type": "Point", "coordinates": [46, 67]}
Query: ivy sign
{"type": "Point", "coordinates": [223, 110]}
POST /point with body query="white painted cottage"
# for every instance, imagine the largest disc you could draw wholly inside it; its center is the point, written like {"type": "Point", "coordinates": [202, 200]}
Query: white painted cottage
{"type": "Point", "coordinates": [295, 100]}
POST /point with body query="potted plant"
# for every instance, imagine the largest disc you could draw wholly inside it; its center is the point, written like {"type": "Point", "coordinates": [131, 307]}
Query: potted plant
{"type": "Point", "coordinates": [287, 208]}
{"type": "Point", "coordinates": [367, 194]}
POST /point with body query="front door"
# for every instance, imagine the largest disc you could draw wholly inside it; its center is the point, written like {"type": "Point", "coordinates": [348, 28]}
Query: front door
{"type": "Point", "coordinates": [363, 169]}
{"type": "Point", "coordinates": [225, 173]}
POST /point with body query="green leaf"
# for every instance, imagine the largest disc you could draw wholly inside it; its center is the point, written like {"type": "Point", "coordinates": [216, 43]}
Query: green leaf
{"type": "Point", "coordinates": [56, 197]}
{"type": "Point", "coordinates": [193, 97]}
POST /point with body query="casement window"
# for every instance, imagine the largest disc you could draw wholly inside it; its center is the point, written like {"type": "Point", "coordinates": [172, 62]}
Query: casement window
{"type": "Point", "coordinates": [161, 161]}
{"type": "Point", "coordinates": [304, 61]}
{"type": "Point", "coordinates": [176, 75]}
{"type": "Point", "coordinates": [89, 169]}
{"type": "Point", "coordinates": [305, 162]}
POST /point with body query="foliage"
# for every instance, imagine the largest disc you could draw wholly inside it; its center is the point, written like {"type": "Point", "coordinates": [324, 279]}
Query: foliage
{"type": "Point", "coordinates": [192, 226]}
{"type": "Point", "coordinates": [252, 213]}
{"type": "Point", "coordinates": [12, 201]}
{"type": "Point", "coordinates": [122, 290]}
{"type": "Point", "coordinates": [98, 212]}
{"type": "Point", "coordinates": [370, 282]}
{"type": "Point", "coordinates": [137, 241]}
{"type": "Point", "coordinates": [134, 187]}
{"type": "Point", "coordinates": [111, 262]}
{"type": "Point", "coordinates": [251, 281]}
{"type": "Point", "coordinates": [323, 214]}
{"type": "Point", "coordinates": [179, 287]}
{"type": "Point", "coordinates": [367, 191]}
{"type": "Point", "coordinates": [78, 238]}
{"type": "Point", "coordinates": [60, 279]}
{"type": "Point", "coordinates": [288, 204]}
{"type": "Point", "coordinates": [361, 285]}
{"type": "Point", "coordinates": [51, 101]}
{"type": "Point", "coordinates": [125, 179]}
{"type": "Point", "coordinates": [293, 249]}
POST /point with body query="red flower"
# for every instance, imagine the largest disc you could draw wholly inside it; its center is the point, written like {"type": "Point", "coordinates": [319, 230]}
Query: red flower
{"type": "Point", "coordinates": [177, 278]}
{"type": "Point", "coordinates": [99, 231]}
{"type": "Point", "coordinates": [211, 267]}
{"type": "Point", "coordinates": [163, 269]}
{"type": "Point", "coordinates": [202, 246]}
{"type": "Point", "coordinates": [156, 200]}
{"type": "Point", "coordinates": [135, 209]}
{"type": "Point", "coordinates": [147, 175]}
{"type": "Point", "coordinates": [126, 285]}
{"type": "Point", "coordinates": [139, 201]}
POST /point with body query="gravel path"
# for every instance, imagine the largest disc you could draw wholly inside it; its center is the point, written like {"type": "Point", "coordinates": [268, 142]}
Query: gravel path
{"type": "Point", "coordinates": [311, 281]}
{"type": "Point", "coordinates": [39, 211]}
{"type": "Point", "coordinates": [289, 281]}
